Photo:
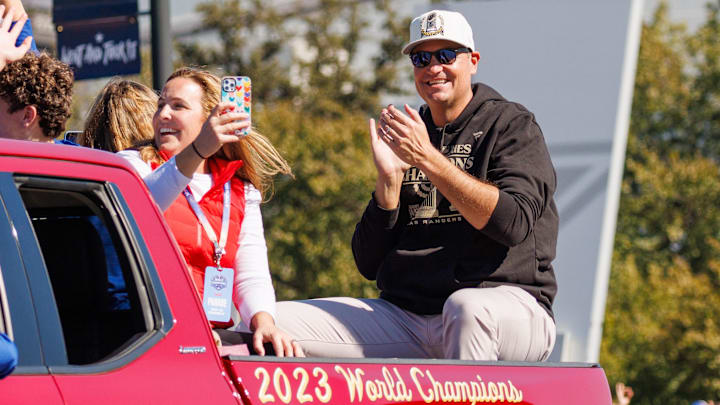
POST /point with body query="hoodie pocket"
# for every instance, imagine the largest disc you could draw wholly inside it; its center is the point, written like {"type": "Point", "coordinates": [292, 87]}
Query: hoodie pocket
{"type": "Point", "coordinates": [428, 271]}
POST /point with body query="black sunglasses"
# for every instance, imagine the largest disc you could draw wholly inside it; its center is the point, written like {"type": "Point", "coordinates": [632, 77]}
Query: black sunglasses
{"type": "Point", "coordinates": [445, 56]}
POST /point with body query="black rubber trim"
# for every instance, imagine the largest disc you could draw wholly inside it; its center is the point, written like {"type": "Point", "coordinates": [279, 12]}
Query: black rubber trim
{"type": "Point", "coordinates": [161, 310]}
{"type": "Point", "coordinates": [20, 305]}
{"type": "Point", "coordinates": [30, 370]}
{"type": "Point", "coordinates": [49, 328]}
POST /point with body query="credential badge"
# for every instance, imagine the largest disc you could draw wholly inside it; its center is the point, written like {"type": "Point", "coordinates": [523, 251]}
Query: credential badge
{"type": "Point", "coordinates": [432, 24]}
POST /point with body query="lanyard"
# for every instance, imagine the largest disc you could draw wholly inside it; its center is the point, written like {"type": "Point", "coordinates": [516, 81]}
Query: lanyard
{"type": "Point", "coordinates": [219, 245]}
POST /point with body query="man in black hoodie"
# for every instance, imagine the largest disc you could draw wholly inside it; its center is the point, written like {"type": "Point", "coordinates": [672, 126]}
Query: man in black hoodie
{"type": "Point", "coordinates": [460, 232]}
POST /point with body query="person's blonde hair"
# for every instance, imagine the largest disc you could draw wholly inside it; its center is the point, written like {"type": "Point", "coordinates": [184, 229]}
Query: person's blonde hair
{"type": "Point", "coordinates": [121, 117]}
{"type": "Point", "coordinates": [262, 160]}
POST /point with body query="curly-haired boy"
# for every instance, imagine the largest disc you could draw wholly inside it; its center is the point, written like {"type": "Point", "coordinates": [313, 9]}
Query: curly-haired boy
{"type": "Point", "coordinates": [35, 98]}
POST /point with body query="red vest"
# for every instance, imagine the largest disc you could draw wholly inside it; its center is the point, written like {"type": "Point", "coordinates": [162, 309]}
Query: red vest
{"type": "Point", "coordinates": [194, 243]}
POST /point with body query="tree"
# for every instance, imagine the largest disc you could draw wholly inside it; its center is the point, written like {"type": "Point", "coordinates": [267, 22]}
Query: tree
{"type": "Point", "coordinates": [677, 86]}
{"type": "Point", "coordinates": [661, 335]}
{"type": "Point", "coordinates": [310, 220]}
{"type": "Point", "coordinates": [318, 69]}
{"type": "Point", "coordinates": [314, 53]}
{"type": "Point", "coordinates": [704, 118]}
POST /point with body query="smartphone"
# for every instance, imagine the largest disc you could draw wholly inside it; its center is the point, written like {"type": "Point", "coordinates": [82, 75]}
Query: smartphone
{"type": "Point", "coordinates": [238, 90]}
{"type": "Point", "coordinates": [71, 136]}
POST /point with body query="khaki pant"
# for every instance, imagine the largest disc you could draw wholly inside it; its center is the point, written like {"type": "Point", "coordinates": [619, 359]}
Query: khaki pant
{"type": "Point", "coordinates": [500, 323]}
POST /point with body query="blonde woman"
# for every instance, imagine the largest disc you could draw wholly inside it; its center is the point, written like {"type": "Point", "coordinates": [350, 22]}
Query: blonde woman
{"type": "Point", "coordinates": [120, 117]}
{"type": "Point", "coordinates": [193, 167]}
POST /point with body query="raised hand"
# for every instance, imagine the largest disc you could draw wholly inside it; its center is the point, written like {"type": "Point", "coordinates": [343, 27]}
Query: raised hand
{"type": "Point", "coordinates": [8, 51]}
{"type": "Point", "coordinates": [219, 128]}
{"type": "Point", "coordinates": [390, 168]}
{"type": "Point", "coordinates": [387, 163]}
{"type": "Point", "coordinates": [624, 393]}
{"type": "Point", "coordinates": [13, 9]}
{"type": "Point", "coordinates": [406, 135]}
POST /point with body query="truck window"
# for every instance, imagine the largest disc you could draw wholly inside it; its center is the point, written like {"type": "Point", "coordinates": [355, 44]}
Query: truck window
{"type": "Point", "coordinates": [98, 291]}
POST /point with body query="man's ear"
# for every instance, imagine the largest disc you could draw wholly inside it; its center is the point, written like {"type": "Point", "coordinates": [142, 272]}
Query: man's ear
{"type": "Point", "coordinates": [475, 59]}
{"type": "Point", "coordinates": [30, 116]}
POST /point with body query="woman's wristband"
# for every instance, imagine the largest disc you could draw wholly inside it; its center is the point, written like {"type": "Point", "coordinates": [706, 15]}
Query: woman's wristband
{"type": "Point", "coordinates": [197, 151]}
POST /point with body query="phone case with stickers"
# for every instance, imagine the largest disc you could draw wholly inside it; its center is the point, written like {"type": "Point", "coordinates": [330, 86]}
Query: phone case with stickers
{"type": "Point", "coordinates": [238, 90]}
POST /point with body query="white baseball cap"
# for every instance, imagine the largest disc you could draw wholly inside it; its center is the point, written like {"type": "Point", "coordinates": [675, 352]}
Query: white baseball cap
{"type": "Point", "coordinates": [440, 24]}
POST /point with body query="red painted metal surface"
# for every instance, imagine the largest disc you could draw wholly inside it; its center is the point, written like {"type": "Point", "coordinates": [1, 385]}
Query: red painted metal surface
{"type": "Point", "coordinates": [421, 383]}
{"type": "Point", "coordinates": [29, 390]}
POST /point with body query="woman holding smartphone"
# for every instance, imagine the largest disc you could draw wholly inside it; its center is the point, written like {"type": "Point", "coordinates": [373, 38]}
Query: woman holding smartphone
{"type": "Point", "coordinates": [209, 183]}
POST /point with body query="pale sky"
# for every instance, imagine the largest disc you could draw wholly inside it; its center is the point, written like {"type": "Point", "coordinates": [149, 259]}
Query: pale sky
{"type": "Point", "coordinates": [691, 12]}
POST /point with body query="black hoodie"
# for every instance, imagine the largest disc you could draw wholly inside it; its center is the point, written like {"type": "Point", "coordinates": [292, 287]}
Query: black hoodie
{"type": "Point", "coordinates": [424, 250]}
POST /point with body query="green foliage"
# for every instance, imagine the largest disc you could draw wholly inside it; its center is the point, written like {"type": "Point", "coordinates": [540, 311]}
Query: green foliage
{"type": "Point", "coordinates": [321, 57]}
{"type": "Point", "coordinates": [310, 220]}
{"type": "Point", "coordinates": [318, 70]}
{"type": "Point", "coordinates": [661, 335]}
{"type": "Point", "coordinates": [677, 86]}
{"type": "Point", "coordinates": [250, 37]}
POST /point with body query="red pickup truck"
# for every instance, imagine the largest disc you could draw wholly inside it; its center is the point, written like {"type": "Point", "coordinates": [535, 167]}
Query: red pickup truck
{"type": "Point", "coordinates": [94, 292]}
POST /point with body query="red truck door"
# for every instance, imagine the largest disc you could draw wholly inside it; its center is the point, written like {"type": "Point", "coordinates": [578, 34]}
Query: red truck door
{"type": "Point", "coordinates": [118, 317]}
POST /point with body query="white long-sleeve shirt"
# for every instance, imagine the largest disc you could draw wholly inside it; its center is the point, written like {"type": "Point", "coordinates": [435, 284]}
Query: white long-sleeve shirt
{"type": "Point", "coordinates": [252, 284]}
